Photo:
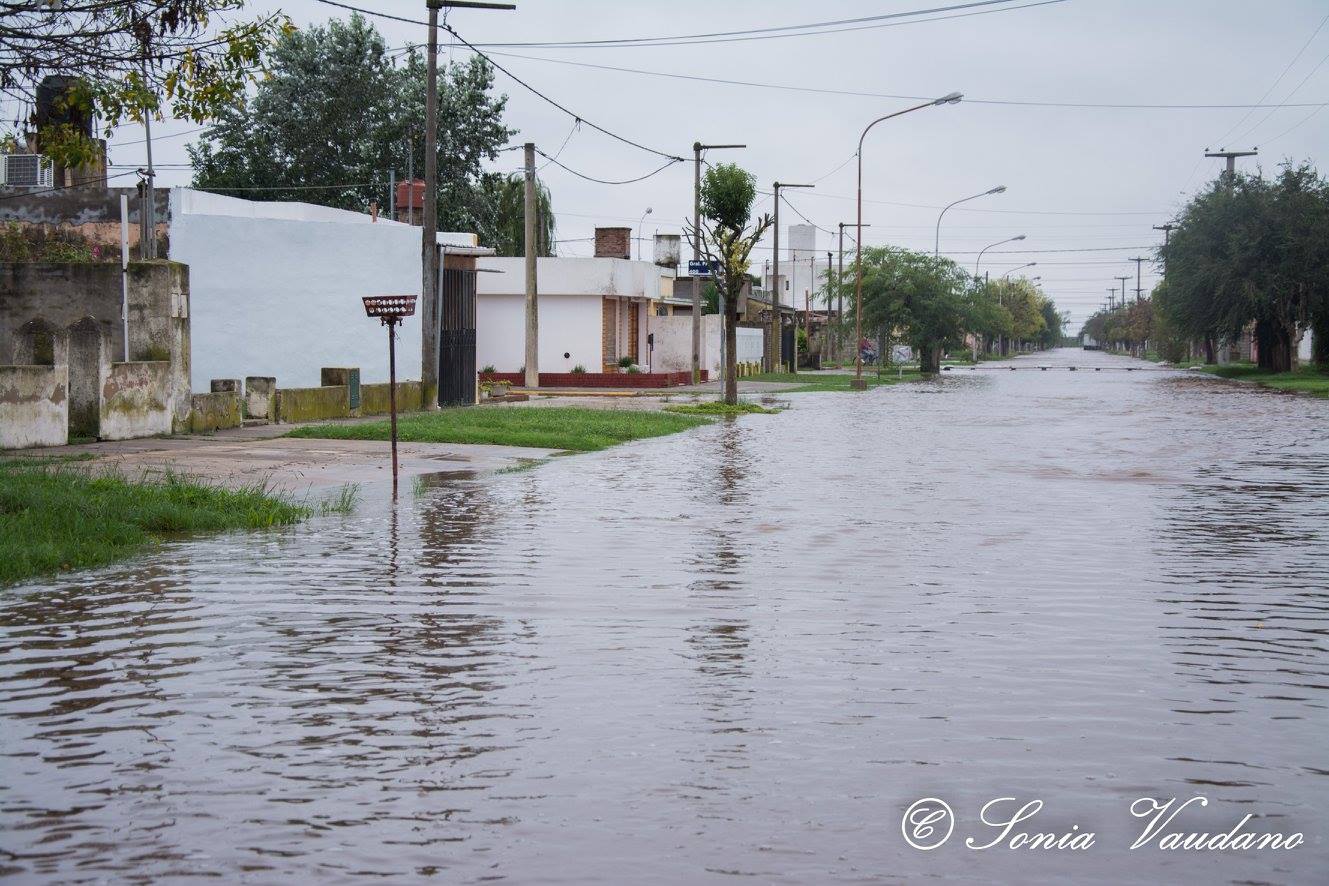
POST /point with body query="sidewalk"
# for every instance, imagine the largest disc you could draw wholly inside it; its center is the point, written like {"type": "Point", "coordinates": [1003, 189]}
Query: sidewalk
{"type": "Point", "coordinates": [246, 456]}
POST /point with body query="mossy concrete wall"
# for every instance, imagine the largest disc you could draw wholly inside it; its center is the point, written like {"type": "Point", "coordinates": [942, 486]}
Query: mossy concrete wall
{"type": "Point", "coordinates": [137, 400]}
{"type": "Point", "coordinates": [374, 398]}
{"type": "Point", "coordinates": [214, 411]}
{"type": "Point", "coordinates": [34, 406]}
{"type": "Point", "coordinates": [313, 404]}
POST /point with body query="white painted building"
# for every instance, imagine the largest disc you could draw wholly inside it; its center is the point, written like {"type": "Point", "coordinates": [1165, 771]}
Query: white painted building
{"type": "Point", "coordinates": [275, 288]}
{"type": "Point", "coordinates": [802, 268]}
{"type": "Point", "coordinates": [592, 311]}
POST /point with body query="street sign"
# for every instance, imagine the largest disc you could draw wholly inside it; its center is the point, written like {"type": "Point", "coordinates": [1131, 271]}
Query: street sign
{"type": "Point", "coordinates": [699, 267]}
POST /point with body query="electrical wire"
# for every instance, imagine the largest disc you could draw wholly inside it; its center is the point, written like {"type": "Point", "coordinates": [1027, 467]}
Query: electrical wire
{"type": "Point", "coordinates": [1222, 140]}
{"type": "Point", "coordinates": [805, 30]}
{"type": "Point", "coordinates": [601, 181]}
{"type": "Point", "coordinates": [96, 184]}
{"type": "Point", "coordinates": [851, 93]}
{"type": "Point", "coordinates": [541, 95]}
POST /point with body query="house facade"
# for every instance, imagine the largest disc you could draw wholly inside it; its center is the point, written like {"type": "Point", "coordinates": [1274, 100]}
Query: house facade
{"type": "Point", "coordinates": [592, 311]}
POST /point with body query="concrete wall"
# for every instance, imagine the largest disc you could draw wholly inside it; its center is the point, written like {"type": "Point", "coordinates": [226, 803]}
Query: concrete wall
{"type": "Point", "coordinates": [276, 287]}
{"type": "Point", "coordinates": [673, 344]}
{"type": "Point", "coordinates": [34, 406]}
{"type": "Point", "coordinates": [92, 212]}
{"type": "Point", "coordinates": [137, 400]}
{"type": "Point", "coordinates": [569, 324]}
{"type": "Point", "coordinates": [66, 294]}
{"type": "Point", "coordinates": [313, 404]}
{"type": "Point", "coordinates": [215, 410]}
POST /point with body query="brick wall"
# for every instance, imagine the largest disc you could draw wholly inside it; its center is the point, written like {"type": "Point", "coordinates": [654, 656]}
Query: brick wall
{"type": "Point", "coordinates": [613, 242]}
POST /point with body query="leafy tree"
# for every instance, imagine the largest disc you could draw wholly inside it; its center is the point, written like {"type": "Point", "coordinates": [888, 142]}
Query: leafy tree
{"type": "Point", "coordinates": [295, 136]}
{"type": "Point", "coordinates": [727, 193]}
{"type": "Point", "coordinates": [923, 297]}
{"type": "Point", "coordinates": [130, 58]}
{"type": "Point", "coordinates": [505, 214]}
{"type": "Point", "coordinates": [1251, 250]}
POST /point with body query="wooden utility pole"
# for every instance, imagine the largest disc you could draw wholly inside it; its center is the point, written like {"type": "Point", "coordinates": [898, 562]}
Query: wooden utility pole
{"type": "Point", "coordinates": [1138, 289]}
{"type": "Point", "coordinates": [429, 235]}
{"type": "Point", "coordinates": [532, 250]}
{"type": "Point", "coordinates": [429, 308]}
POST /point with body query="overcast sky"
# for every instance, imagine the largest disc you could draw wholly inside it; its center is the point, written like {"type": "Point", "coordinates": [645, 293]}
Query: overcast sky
{"type": "Point", "coordinates": [1078, 178]}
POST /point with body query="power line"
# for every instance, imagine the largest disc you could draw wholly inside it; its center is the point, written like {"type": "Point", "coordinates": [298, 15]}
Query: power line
{"type": "Point", "coordinates": [882, 21]}
{"type": "Point", "coordinates": [851, 93]}
{"type": "Point", "coordinates": [601, 181]}
{"type": "Point", "coordinates": [89, 184]}
{"type": "Point", "coordinates": [538, 93]}
{"type": "Point", "coordinates": [471, 46]}
{"type": "Point", "coordinates": [1274, 85]}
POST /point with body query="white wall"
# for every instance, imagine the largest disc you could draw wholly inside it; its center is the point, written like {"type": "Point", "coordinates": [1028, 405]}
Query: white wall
{"type": "Point", "coordinates": [750, 346]}
{"type": "Point", "coordinates": [568, 324]}
{"type": "Point", "coordinates": [275, 288]}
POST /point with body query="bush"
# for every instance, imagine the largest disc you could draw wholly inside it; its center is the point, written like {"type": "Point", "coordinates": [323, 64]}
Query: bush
{"type": "Point", "coordinates": [625, 362]}
{"type": "Point", "coordinates": [579, 370]}
{"type": "Point", "coordinates": [634, 370]}
{"type": "Point", "coordinates": [486, 370]}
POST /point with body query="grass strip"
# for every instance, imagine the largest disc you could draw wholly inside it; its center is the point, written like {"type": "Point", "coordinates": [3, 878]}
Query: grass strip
{"type": "Point", "coordinates": [718, 407]}
{"type": "Point", "coordinates": [574, 428]}
{"type": "Point", "coordinates": [1304, 380]}
{"type": "Point", "coordinates": [808, 382]}
{"type": "Point", "coordinates": [54, 517]}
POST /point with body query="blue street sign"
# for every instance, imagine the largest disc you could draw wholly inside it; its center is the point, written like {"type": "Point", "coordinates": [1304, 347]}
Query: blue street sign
{"type": "Point", "coordinates": [699, 268]}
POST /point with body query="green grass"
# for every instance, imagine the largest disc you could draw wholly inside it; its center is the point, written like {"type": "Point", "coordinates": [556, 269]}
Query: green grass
{"type": "Point", "coordinates": [835, 382]}
{"type": "Point", "coordinates": [573, 428]}
{"type": "Point", "coordinates": [1304, 380]}
{"type": "Point", "coordinates": [717, 407]}
{"type": "Point", "coordinates": [56, 517]}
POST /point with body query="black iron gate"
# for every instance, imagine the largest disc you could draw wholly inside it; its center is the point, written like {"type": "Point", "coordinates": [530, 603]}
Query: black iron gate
{"type": "Point", "coordinates": [456, 340]}
{"type": "Point", "coordinates": [787, 344]}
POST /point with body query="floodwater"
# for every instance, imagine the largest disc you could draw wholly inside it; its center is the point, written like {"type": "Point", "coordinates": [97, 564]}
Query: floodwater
{"type": "Point", "coordinates": [733, 655]}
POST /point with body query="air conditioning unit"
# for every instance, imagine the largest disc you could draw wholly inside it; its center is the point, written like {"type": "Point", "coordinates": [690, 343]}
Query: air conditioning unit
{"type": "Point", "coordinates": [26, 171]}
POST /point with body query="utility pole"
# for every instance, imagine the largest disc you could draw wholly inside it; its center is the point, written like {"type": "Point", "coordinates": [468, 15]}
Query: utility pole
{"type": "Point", "coordinates": [532, 308]}
{"type": "Point", "coordinates": [429, 234]}
{"type": "Point", "coordinates": [697, 148]}
{"type": "Point", "coordinates": [826, 330]}
{"type": "Point", "coordinates": [1138, 290]}
{"type": "Point", "coordinates": [410, 181]}
{"type": "Point", "coordinates": [1123, 287]}
{"type": "Point", "coordinates": [776, 346]}
{"type": "Point", "coordinates": [429, 309]}
{"type": "Point", "coordinates": [1167, 230]}
{"type": "Point", "coordinates": [839, 288]}
{"type": "Point", "coordinates": [1231, 157]}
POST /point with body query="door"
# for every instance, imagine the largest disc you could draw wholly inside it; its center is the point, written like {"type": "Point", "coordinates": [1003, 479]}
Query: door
{"type": "Point", "coordinates": [634, 330]}
{"type": "Point", "coordinates": [456, 340]}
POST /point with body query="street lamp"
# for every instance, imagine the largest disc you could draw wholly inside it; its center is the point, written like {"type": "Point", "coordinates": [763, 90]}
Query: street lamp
{"type": "Point", "coordinates": [858, 384]}
{"type": "Point", "coordinates": [936, 248]}
{"type": "Point", "coordinates": [640, 222]}
{"type": "Point", "coordinates": [1007, 275]}
{"type": "Point", "coordinates": [839, 288]}
{"type": "Point", "coordinates": [989, 246]}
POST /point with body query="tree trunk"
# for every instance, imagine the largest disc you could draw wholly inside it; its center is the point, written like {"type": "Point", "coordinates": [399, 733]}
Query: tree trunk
{"type": "Point", "coordinates": [1210, 351]}
{"type": "Point", "coordinates": [730, 369]}
{"type": "Point", "coordinates": [1320, 342]}
{"type": "Point", "coordinates": [1274, 342]}
{"type": "Point", "coordinates": [929, 357]}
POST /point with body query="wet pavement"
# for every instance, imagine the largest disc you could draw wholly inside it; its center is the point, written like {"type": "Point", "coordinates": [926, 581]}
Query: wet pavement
{"type": "Point", "coordinates": [737, 654]}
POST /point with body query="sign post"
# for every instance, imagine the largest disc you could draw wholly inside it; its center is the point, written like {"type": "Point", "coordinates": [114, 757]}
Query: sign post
{"type": "Point", "coordinates": [390, 309]}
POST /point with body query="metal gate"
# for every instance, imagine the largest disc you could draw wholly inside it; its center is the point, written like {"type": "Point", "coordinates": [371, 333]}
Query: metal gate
{"type": "Point", "coordinates": [456, 340]}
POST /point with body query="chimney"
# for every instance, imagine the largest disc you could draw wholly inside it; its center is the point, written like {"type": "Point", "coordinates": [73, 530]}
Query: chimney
{"type": "Point", "coordinates": [613, 242]}
{"type": "Point", "coordinates": [667, 250]}
{"type": "Point", "coordinates": [411, 201]}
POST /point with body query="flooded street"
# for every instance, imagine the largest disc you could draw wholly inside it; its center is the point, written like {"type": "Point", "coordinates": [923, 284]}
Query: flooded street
{"type": "Point", "coordinates": [738, 652]}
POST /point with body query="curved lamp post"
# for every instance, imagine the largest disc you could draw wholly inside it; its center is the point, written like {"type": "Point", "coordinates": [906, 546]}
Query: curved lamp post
{"type": "Point", "coordinates": [858, 384]}
{"type": "Point", "coordinates": [641, 222]}
{"type": "Point", "coordinates": [989, 246]}
{"type": "Point", "coordinates": [1007, 275]}
{"type": "Point", "coordinates": [936, 247]}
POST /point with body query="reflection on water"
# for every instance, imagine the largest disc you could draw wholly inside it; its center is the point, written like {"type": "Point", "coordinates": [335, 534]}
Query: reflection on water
{"type": "Point", "coordinates": [738, 651]}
